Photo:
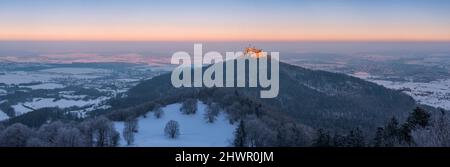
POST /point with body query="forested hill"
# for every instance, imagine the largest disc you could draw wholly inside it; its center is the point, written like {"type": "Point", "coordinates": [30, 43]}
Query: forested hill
{"type": "Point", "coordinates": [318, 99]}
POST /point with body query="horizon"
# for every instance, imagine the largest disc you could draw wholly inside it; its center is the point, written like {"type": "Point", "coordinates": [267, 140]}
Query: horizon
{"type": "Point", "coordinates": [221, 46]}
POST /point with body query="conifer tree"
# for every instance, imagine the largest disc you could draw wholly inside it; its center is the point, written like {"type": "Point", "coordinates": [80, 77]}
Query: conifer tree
{"type": "Point", "coordinates": [240, 135]}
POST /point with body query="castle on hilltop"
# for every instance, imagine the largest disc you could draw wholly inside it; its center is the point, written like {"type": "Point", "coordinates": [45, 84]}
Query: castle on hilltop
{"type": "Point", "coordinates": [253, 52]}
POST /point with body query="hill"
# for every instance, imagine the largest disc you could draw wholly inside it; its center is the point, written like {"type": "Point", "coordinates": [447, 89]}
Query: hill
{"type": "Point", "coordinates": [314, 98]}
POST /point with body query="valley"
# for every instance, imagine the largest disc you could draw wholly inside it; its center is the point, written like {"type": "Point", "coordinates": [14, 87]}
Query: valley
{"type": "Point", "coordinates": [82, 87]}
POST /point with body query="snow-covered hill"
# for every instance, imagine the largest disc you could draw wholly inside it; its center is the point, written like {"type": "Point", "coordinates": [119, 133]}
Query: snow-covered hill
{"type": "Point", "coordinates": [194, 130]}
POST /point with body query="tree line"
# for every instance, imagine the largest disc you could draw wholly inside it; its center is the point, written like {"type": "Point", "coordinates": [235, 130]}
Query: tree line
{"type": "Point", "coordinates": [421, 129]}
{"type": "Point", "coordinates": [92, 132]}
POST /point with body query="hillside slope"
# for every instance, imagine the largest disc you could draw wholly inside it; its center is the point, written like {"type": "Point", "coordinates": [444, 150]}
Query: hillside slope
{"type": "Point", "coordinates": [315, 98]}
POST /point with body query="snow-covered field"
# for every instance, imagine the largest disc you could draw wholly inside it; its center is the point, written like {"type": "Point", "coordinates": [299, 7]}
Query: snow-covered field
{"type": "Point", "coordinates": [435, 93]}
{"type": "Point", "coordinates": [38, 103]}
{"type": "Point", "coordinates": [20, 77]}
{"type": "Point", "coordinates": [45, 86]}
{"type": "Point", "coordinates": [194, 130]}
{"type": "Point", "coordinates": [76, 71]}
{"type": "Point", "coordinates": [3, 116]}
{"type": "Point", "coordinates": [2, 92]}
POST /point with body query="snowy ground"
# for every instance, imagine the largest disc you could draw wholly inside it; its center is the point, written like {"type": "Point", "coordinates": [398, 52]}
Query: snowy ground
{"type": "Point", "coordinates": [3, 116]}
{"type": "Point", "coordinates": [194, 130]}
{"type": "Point", "coordinates": [45, 86]}
{"type": "Point", "coordinates": [20, 77]}
{"type": "Point", "coordinates": [76, 71]}
{"type": "Point", "coordinates": [2, 92]}
{"type": "Point", "coordinates": [38, 103]}
{"type": "Point", "coordinates": [435, 93]}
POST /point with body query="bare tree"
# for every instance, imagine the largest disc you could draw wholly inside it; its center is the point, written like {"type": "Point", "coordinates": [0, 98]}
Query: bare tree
{"type": "Point", "coordinates": [158, 112]}
{"type": "Point", "coordinates": [15, 135]}
{"type": "Point", "coordinates": [48, 132]}
{"type": "Point", "coordinates": [128, 135]}
{"type": "Point", "coordinates": [130, 127]}
{"type": "Point", "coordinates": [69, 137]}
{"type": "Point", "coordinates": [100, 132]}
{"type": "Point", "coordinates": [172, 129]}
{"type": "Point", "coordinates": [211, 112]}
{"type": "Point", "coordinates": [189, 106]}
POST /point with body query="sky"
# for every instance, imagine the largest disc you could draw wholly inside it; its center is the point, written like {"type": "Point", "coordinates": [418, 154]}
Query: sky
{"type": "Point", "coordinates": [230, 20]}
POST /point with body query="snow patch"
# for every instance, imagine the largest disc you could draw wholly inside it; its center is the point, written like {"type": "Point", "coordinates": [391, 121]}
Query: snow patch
{"type": "Point", "coordinates": [194, 130]}
{"type": "Point", "coordinates": [38, 103]}
{"type": "Point", "coordinates": [3, 116]}
{"type": "Point", "coordinates": [3, 92]}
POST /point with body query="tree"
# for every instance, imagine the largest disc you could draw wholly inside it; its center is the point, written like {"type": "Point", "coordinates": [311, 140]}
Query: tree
{"type": "Point", "coordinates": [339, 140]}
{"type": "Point", "coordinates": [36, 142]}
{"type": "Point", "coordinates": [100, 132]}
{"type": "Point", "coordinates": [130, 127]}
{"type": "Point", "coordinates": [157, 111]}
{"type": "Point", "coordinates": [392, 133]}
{"type": "Point", "coordinates": [86, 128]}
{"type": "Point", "coordinates": [48, 132]}
{"type": "Point", "coordinates": [436, 135]}
{"type": "Point", "coordinates": [419, 118]}
{"type": "Point", "coordinates": [172, 129]}
{"type": "Point", "coordinates": [132, 123]}
{"type": "Point", "coordinates": [259, 134]}
{"type": "Point", "coordinates": [355, 138]}
{"type": "Point", "coordinates": [69, 137]}
{"type": "Point", "coordinates": [211, 112]}
{"type": "Point", "coordinates": [234, 111]}
{"type": "Point", "coordinates": [323, 139]}
{"type": "Point", "coordinates": [240, 135]}
{"type": "Point", "coordinates": [189, 106]}
{"type": "Point", "coordinates": [378, 141]}
{"type": "Point", "coordinates": [15, 135]}
{"type": "Point", "coordinates": [290, 134]}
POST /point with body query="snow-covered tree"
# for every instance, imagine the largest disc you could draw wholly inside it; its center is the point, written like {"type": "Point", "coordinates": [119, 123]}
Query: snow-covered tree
{"type": "Point", "coordinates": [48, 132]}
{"type": "Point", "coordinates": [211, 112]}
{"type": "Point", "coordinates": [259, 134]}
{"type": "Point", "coordinates": [36, 142]}
{"type": "Point", "coordinates": [69, 137]}
{"type": "Point", "coordinates": [130, 127]}
{"type": "Point", "coordinates": [189, 106]}
{"type": "Point", "coordinates": [436, 135]}
{"type": "Point", "coordinates": [100, 132]}
{"type": "Point", "coordinates": [15, 135]}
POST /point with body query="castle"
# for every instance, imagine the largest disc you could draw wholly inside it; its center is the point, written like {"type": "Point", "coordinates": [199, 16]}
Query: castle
{"type": "Point", "coordinates": [253, 52]}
